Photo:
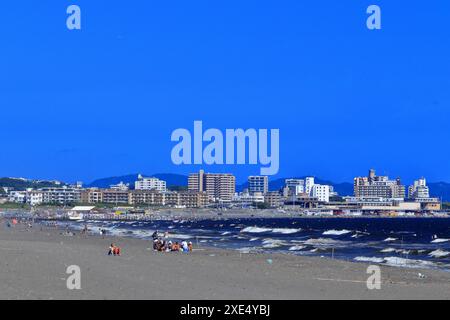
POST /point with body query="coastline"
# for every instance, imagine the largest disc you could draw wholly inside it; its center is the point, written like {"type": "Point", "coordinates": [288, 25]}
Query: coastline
{"type": "Point", "coordinates": [199, 214]}
{"type": "Point", "coordinates": [34, 263]}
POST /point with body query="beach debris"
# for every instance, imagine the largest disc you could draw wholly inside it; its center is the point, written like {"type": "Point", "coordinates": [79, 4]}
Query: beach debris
{"type": "Point", "coordinates": [421, 275]}
{"type": "Point", "coordinates": [269, 261]}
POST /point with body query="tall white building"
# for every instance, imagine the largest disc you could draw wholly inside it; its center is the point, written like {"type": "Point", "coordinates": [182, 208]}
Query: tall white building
{"type": "Point", "coordinates": [258, 184]}
{"type": "Point", "coordinates": [309, 183]}
{"type": "Point", "coordinates": [309, 187]}
{"type": "Point", "coordinates": [144, 183]}
{"type": "Point", "coordinates": [321, 192]}
{"type": "Point", "coordinates": [419, 190]}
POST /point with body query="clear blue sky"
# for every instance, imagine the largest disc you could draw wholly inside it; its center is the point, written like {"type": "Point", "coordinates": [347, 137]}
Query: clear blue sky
{"type": "Point", "coordinates": [103, 101]}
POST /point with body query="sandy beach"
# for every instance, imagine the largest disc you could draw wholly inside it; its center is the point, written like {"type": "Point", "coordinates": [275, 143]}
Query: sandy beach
{"type": "Point", "coordinates": [33, 265]}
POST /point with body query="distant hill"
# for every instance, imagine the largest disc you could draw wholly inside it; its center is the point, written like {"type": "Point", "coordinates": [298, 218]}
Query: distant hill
{"type": "Point", "coordinates": [21, 184]}
{"type": "Point", "coordinates": [440, 190]}
{"type": "Point", "coordinates": [170, 178]}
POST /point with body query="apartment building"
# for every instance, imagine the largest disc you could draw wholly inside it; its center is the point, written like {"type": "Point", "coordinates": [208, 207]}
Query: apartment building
{"type": "Point", "coordinates": [378, 187]}
{"type": "Point", "coordinates": [114, 196]}
{"type": "Point", "coordinates": [321, 192]}
{"type": "Point", "coordinates": [258, 184]}
{"type": "Point", "coordinates": [92, 195]}
{"type": "Point", "coordinates": [61, 195]}
{"type": "Point", "coordinates": [151, 183]}
{"type": "Point", "coordinates": [152, 197]}
{"type": "Point", "coordinates": [273, 199]}
{"type": "Point", "coordinates": [419, 190]}
{"type": "Point", "coordinates": [218, 186]}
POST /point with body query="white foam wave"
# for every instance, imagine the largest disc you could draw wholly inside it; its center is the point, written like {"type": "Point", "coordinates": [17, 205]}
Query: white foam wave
{"type": "Point", "coordinates": [390, 239]}
{"type": "Point", "coordinates": [439, 240]}
{"type": "Point", "coordinates": [285, 230]}
{"type": "Point", "coordinates": [180, 236]}
{"type": "Point", "coordinates": [336, 232]}
{"type": "Point", "coordinates": [407, 263]}
{"type": "Point", "coordinates": [388, 250]}
{"type": "Point", "coordinates": [296, 248]}
{"type": "Point", "coordinates": [439, 253]}
{"type": "Point", "coordinates": [323, 242]}
{"type": "Point", "coordinates": [369, 259]}
{"type": "Point", "coordinates": [272, 243]}
{"type": "Point", "coordinates": [255, 230]}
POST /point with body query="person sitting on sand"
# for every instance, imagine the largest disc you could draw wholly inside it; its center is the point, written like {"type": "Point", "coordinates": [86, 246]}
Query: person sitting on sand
{"type": "Point", "coordinates": [161, 245]}
{"type": "Point", "coordinates": [184, 246]}
{"type": "Point", "coordinates": [175, 246]}
{"type": "Point", "coordinates": [111, 249]}
{"type": "Point", "coordinates": [190, 246]}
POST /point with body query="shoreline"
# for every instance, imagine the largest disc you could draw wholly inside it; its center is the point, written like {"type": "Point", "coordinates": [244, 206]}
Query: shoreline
{"type": "Point", "coordinates": [34, 262]}
{"type": "Point", "coordinates": [202, 215]}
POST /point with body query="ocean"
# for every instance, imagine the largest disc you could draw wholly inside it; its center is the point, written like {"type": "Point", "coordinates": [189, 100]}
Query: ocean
{"type": "Point", "coordinates": [400, 242]}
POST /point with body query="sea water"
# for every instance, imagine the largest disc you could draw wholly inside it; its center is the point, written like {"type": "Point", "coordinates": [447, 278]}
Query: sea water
{"type": "Point", "coordinates": [402, 242]}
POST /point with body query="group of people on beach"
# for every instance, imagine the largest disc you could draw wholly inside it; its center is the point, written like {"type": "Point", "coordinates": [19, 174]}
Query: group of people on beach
{"type": "Point", "coordinates": [114, 250]}
{"type": "Point", "coordinates": [162, 245]}
{"type": "Point", "coordinates": [169, 246]}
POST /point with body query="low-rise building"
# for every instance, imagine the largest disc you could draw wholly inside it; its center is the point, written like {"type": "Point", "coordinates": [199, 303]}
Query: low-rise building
{"type": "Point", "coordinates": [61, 195]}
{"type": "Point", "coordinates": [246, 199]}
{"type": "Point", "coordinates": [114, 196]}
{"type": "Point", "coordinates": [144, 183]}
{"type": "Point", "coordinates": [273, 199]}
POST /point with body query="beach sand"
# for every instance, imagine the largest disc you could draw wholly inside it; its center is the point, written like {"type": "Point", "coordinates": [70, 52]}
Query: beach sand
{"type": "Point", "coordinates": [33, 265]}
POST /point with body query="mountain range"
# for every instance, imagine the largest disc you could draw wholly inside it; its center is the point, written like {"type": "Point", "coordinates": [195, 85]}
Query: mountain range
{"type": "Point", "coordinates": [437, 189]}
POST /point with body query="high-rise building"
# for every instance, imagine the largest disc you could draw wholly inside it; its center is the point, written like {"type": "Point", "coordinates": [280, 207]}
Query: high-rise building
{"type": "Point", "coordinates": [150, 184]}
{"type": "Point", "coordinates": [218, 186]}
{"type": "Point", "coordinates": [258, 184]}
{"type": "Point", "coordinates": [374, 186]}
{"type": "Point", "coordinates": [309, 183]}
{"type": "Point", "coordinates": [419, 190]}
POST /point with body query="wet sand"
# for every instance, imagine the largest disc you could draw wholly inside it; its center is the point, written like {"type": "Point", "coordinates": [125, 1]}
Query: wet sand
{"type": "Point", "coordinates": [33, 265]}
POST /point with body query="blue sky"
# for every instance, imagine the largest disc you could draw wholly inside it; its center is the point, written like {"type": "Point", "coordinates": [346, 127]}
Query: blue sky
{"type": "Point", "coordinates": [103, 101]}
